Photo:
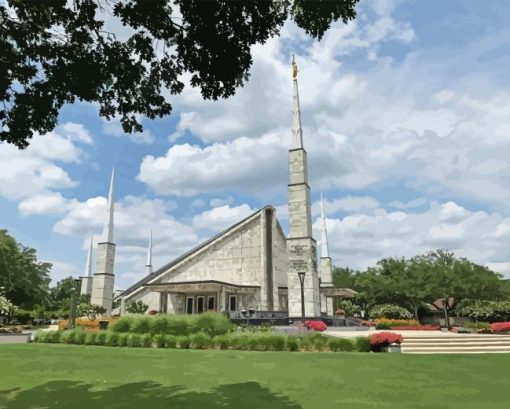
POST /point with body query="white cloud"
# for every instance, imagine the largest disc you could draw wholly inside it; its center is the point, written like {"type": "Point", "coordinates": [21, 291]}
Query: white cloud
{"type": "Point", "coordinates": [113, 127]}
{"type": "Point", "coordinates": [360, 240]}
{"type": "Point", "coordinates": [221, 217]}
{"type": "Point", "coordinates": [34, 171]}
{"type": "Point", "coordinates": [221, 201]}
{"type": "Point", "coordinates": [51, 203]}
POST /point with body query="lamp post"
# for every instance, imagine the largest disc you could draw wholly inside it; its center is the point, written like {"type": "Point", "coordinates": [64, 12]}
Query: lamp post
{"type": "Point", "coordinates": [301, 275]}
{"type": "Point", "coordinates": [74, 299]}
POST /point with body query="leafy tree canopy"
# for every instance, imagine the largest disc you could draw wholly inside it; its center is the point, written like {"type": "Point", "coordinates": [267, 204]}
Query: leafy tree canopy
{"type": "Point", "coordinates": [58, 52]}
{"type": "Point", "coordinates": [25, 280]}
{"type": "Point", "coordinates": [138, 307]}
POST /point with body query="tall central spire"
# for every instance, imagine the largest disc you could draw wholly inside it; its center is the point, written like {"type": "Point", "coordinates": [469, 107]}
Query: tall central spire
{"type": "Point", "coordinates": [148, 263]}
{"type": "Point", "coordinates": [324, 237]}
{"type": "Point", "coordinates": [108, 228]}
{"type": "Point", "coordinates": [297, 133]}
{"type": "Point", "coordinates": [301, 246]}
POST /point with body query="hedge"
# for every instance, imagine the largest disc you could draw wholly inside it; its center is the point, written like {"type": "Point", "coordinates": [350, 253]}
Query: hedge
{"type": "Point", "coordinates": [210, 323]}
{"type": "Point", "coordinates": [265, 341]}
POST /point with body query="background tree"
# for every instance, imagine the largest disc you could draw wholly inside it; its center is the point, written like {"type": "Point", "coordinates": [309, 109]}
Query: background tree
{"type": "Point", "coordinates": [58, 52]}
{"type": "Point", "coordinates": [25, 280]}
{"type": "Point", "coordinates": [344, 277]}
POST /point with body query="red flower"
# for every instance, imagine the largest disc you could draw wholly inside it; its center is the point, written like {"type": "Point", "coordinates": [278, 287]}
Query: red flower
{"type": "Point", "coordinates": [385, 338]}
{"type": "Point", "coordinates": [315, 325]}
{"type": "Point", "coordinates": [500, 327]}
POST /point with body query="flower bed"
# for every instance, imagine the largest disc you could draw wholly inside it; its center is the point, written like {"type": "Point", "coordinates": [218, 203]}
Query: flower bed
{"type": "Point", "coordinates": [367, 323]}
{"type": "Point", "coordinates": [316, 325]}
{"type": "Point", "coordinates": [387, 323]}
{"type": "Point", "coordinates": [85, 323]}
{"type": "Point", "coordinates": [500, 327]}
{"type": "Point", "coordinates": [417, 328]}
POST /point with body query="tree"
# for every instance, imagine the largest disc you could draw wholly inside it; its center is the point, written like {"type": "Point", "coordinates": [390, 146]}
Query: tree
{"type": "Point", "coordinates": [344, 277]}
{"type": "Point", "coordinates": [59, 52]}
{"type": "Point", "coordinates": [25, 280]}
{"type": "Point", "coordinates": [138, 307]}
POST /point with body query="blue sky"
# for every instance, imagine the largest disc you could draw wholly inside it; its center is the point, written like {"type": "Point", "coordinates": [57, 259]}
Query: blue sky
{"type": "Point", "coordinates": [406, 117]}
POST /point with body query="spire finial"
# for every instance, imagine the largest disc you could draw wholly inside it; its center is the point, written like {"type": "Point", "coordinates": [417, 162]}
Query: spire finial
{"type": "Point", "coordinates": [148, 263]}
{"type": "Point", "coordinates": [297, 133]}
{"type": "Point", "coordinates": [88, 264]}
{"type": "Point", "coordinates": [324, 238]}
{"type": "Point", "coordinates": [108, 228]}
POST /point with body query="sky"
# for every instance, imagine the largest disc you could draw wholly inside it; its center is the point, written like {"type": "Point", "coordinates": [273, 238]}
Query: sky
{"type": "Point", "coordinates": [406, 120]}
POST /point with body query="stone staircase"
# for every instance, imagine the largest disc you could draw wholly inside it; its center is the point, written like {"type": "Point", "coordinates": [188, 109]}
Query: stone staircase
{"type": "Point", "coordinates": [456, 344]}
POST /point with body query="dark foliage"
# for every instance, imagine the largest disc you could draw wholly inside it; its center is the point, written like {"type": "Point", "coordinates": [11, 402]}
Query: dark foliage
{"type": "Point", "coordinates": [58, 52]}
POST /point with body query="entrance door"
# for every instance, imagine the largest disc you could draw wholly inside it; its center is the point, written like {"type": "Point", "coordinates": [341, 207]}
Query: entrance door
{"type": "Point", "coordinates": [200, 304]}
{"type": "Point", "coordinates": [211, 303]}
{"type": "Point", "coordinates": [189, 305]}
{"type": "Point", "coordinates": [232, 303]}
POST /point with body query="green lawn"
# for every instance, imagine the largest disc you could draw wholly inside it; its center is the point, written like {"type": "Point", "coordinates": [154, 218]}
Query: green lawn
{"type": "Point", "coordinates": [80, 377]}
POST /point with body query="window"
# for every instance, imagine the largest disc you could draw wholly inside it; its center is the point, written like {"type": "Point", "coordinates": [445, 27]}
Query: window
{"type": "Point", "coordinates": [200, 304]}
{"type": "Point", "coordinates": [189, 305]}
{"type": "Point", "coordinates": [211, 303]}
{"type": "Point", "coordinates": [232, 302]}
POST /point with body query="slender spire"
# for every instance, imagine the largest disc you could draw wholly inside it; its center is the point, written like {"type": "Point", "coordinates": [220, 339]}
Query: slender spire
{"type": "Point", "coordinates": [297, 133]}
{"type": "Point", "coordinates": [148, 263]}
{"type": "Point", "coordinates": [88, 265]}
{"type": "Point", "coordinates": [108, 228]}
{"type": "Point", "coordinates": [324, 238]}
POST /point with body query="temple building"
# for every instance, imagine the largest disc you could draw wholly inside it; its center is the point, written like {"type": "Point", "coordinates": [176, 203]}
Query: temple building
{"type": "Point", "coordinates": [252, 265]}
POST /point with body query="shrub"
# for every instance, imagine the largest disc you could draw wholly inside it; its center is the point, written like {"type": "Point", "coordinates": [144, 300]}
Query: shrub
{"type": "Point", "coordinates": [68, 337]}
{"type": "Point", "coordinates": [212, 323]}
{"type": "Point", "coordinates": [101, 338]}
{"type": "Point", "coordinates": [160, 340]}
{"type": "Point", "coordinates": [171, 341]}
{"type": "Point", "coordinates": [240, 342]}
{"type": "Point", "coordinates": [221, 341]}
{"type": "Point", "coordinates": [80, 337]}
{"type": "Point", "coordinates": [316, 325]}
{"type": "Point", "coordinates": [183, 342]}
{"type": "Point", "coordinates": [147, 340]}
{"type": "Point", "coordinates": [112, 339]}
{"type": "Point", "coordinates": [292, 343]}
{"type": "Point", "coordinates": [159, 325]}
{"type": "Point", "coordinates": [275, 342]}
{"type": "Point", "coordinates": [320, 343]}
{"type": "Point", "coordinates": [500, 327]}
{"type": "Point", "coordinates": [340, 344]}
{"type": "Point", "coordinates": [306, 343]}
{"type": "Point", "coordinates": [123, 339]}
{"type": "Point", "coordinates": [362, 344]}
{"type": "Point", "coordinates": [141, 325]}
{"type": "Point", "coordinates": [200, 340]}
{"type": "Point", "coordinates": [178, 325]}
{"type": "Point", "coordinates": [49, 337]}
{"type": "Point", "coordinates": [389, 311]}
{"type": "Point", "coordinates": [90, 338]}
{"type": "Point", "coordinates": [137, 307]}
{"type": "Point", "coordinates": [123, 324]}
{"type": "Point", "coordinates": [134, 341]}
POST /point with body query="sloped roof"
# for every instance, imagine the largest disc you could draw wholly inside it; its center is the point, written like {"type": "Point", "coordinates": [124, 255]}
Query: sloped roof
{"type": "Point", "coordinates": [190, 253]}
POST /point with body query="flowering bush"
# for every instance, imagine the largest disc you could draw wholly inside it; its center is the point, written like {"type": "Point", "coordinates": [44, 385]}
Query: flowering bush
{"type": "Point", "coordinates": [383, 339]}
{"type": "Point", "coordinates": [500, 327]}
{"type": "Point", "coordinates": [6, 307]}
{"type": "Point", "coordinates": [316, 325]}
{"type": "Point", "coordinates": [390, 311]}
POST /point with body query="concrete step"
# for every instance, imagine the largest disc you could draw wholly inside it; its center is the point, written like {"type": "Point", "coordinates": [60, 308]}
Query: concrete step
{"type": "Point", "coordinates": [456, 343]}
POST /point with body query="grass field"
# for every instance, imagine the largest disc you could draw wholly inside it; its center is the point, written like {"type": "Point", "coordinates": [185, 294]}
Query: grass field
{"type": "Point", "coordinates": [79, 377]}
